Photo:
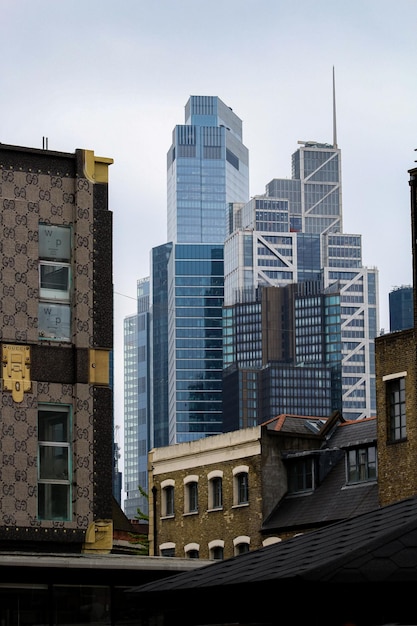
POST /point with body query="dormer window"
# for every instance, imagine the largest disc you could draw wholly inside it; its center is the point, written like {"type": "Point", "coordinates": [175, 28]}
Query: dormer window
{"type": "Point", "coordinates": [300, 475]}
{"type": "Point", "coordinates": [361, 464]}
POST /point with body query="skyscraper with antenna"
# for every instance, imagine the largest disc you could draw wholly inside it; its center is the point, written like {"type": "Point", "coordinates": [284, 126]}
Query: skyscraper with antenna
{"type": "Point", "coordinates": [286, 323]}
{"type": "Point", "coordinates": [293, 235]}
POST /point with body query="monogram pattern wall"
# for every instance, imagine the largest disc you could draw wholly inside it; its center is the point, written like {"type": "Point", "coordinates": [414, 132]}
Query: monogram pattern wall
{"type": "Point", "coordinates": [29, 196]}
{"type": "Point", "coordinates": [19, 453]}
{"type": "Point", "coordinates": [27, 199]}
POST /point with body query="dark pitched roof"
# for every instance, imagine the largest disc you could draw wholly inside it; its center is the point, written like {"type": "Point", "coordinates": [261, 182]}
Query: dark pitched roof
{"type": "Point", "coordinates": [317, 427]}
{"type": "Point", "coordinates": [295, 424]}
{"type": "Point", "coordinates": [332, 500]}
{"type": "Point", "coordinates": [354, 432]}
{"type": "Point", "coordinates": [377, 546]}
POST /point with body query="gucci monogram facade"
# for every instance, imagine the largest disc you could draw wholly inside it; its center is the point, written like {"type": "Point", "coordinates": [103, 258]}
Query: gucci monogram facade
{"type": "Point", "coordinates": [56, 323]}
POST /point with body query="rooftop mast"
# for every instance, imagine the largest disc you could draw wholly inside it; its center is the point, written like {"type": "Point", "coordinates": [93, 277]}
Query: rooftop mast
{"type": "Point", "coordinates": [334, 113]}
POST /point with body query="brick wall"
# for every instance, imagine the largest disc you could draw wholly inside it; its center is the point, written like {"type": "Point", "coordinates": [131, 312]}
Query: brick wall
{"type": "Point", "coordinates": [207, 525]}
{"type": "Point", "coordinates": [397, 466]}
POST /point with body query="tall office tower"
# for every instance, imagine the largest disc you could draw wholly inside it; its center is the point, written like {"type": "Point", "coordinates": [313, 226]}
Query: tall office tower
{"type": "Point", "coordinates": [136, 403]}
{"type": "Point", "coordinates": [294, 234]}
{"type": "Point", "coordinates": [401, 315]}
{"type": "Point", "coordinates": [207, 168]}
{"type": "Point", "coordinates": [282, 354]}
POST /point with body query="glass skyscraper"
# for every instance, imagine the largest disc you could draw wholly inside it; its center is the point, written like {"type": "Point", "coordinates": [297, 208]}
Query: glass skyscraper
{"type": "Point", "coordinates": [294, 234]}
{"type": "Point", "coordinates": [207, 168]}
{"type": "Point", "coordinates": [401, 311]}
{"type": "Point", "coordinates": [136, 403]}
{"type": "Point", "coordinates": [256, 306]}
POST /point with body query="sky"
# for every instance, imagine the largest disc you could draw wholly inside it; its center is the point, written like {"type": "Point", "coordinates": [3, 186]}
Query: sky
{"type": "Point", "coordinates": [114, 77]}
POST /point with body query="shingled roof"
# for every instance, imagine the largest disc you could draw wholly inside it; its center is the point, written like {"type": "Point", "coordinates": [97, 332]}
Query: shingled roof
{"type": "Point", "coordinates": [373, 547]}
{"type": "Point", "coordinates": [332, 500]}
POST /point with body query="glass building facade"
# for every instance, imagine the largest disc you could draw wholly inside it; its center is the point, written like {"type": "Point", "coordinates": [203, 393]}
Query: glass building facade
{"type": "Point", "coordinates": [195, 354]}
{"type": "Point", "coordinates": [256, 306]}
{"type": "Point", "coordinates": [282, 354]}
{"type": "Point", "coordinates": [207, 169]}
{"type": "Point", "coordinates": [294, 234]}
{"type": "Point", "coordinates": [136, 403]}
{"type": "Point", "coordinates": [401, 308]}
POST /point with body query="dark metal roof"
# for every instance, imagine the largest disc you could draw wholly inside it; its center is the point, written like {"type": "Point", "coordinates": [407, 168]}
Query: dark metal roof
{"type": "Point", "coordinates": [333, 499]}
{"type": "Point", "coordinates": [377, 546]}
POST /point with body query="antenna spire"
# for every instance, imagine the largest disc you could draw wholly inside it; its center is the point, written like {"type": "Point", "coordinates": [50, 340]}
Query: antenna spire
{"type": "Point", "coordinates": [334, 113]}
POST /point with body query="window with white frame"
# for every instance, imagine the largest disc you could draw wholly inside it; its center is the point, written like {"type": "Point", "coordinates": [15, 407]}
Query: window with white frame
{"type": "Point", "coordinates": [167, 549]}
{"type": "Point", "coordinates": [270, 540]}
{"type": "Point", "coordinates": [361, 464]}
{"type": "Point", "coordinates": [215, 482]}
{"type": "Point", "coordinates": [241, 485]}
{"type": "Point", "coordinates": [216, 549]}
{"type": "Point", "coordinates": [241, 545]}
{"type": "Point", "coordinates": [191, 494]}
{"type": "Point", "coordinates": [167, 500]}
{"type": "Point", "coordinates": [54, 462]}
{"type": "Point", "coordinates": [54, 316]}
{"type": "Point", "coordinates": [396, 407]}
{"type": "Point", "coordinates": [54, 281]}
{"type": "Point", "coordinates": [192, 551]}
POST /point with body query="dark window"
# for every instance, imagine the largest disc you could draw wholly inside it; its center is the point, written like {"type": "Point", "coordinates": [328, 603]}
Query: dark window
{"type": "Point", "coordinates": [217, 553]}
{"type": "Point", "coordinates": [192, 497]}
{"type": "Point", "coordinates": [232, 159]}
{"type": "Point", "coordinates": [361, 464]}
{"type": "Point", "coordinates": [169, 500]}
{"type": "Point", "coordinates": [168, 552]}
{"type": "Point", "coordinates": [242, 488]}
{"type": "Point", "coordinates": [216, 493]}
{"type": "Point", "coordinates": [54, 281]}
{"type": "Point", "coordinates": [300, 475]}
{"type": "Point", "coordinates": [193, 554]}
{"type": "Point", "coordinates": [396, 409]}
{"type": "Point", "coordinates": [242, 548]}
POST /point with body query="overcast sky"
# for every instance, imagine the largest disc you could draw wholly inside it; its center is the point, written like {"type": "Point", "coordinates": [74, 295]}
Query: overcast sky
{"type": "Point", "coordinates": [114, 77]}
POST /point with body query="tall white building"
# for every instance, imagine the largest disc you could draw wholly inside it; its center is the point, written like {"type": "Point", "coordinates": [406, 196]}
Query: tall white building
{"type": "Point", "coordinates": [293, 234]}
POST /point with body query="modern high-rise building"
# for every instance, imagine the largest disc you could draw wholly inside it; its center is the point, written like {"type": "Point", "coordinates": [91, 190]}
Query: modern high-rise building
{"type": "Point", "coordinates": [282, 354]}
{"type": "Point", "coordinates": [401, 314]}
{"type": "Point", "coordinates": [224, 348]}
{"type": "Point", "coordinates": [293, 234]}
{"type": "Point", "coordinates": [136, 403]}
{"type": "Point", "coordinates": [207, 169]}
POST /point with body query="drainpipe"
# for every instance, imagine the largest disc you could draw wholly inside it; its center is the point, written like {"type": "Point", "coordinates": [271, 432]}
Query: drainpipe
{"type": "Point", "coordinates": [155, 543]}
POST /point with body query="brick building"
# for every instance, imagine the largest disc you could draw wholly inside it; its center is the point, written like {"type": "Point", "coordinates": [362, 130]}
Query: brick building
{"type": "Point", "coordinates": [227, 494]}
{"type": "Point", "coordinates": [396, 387]}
